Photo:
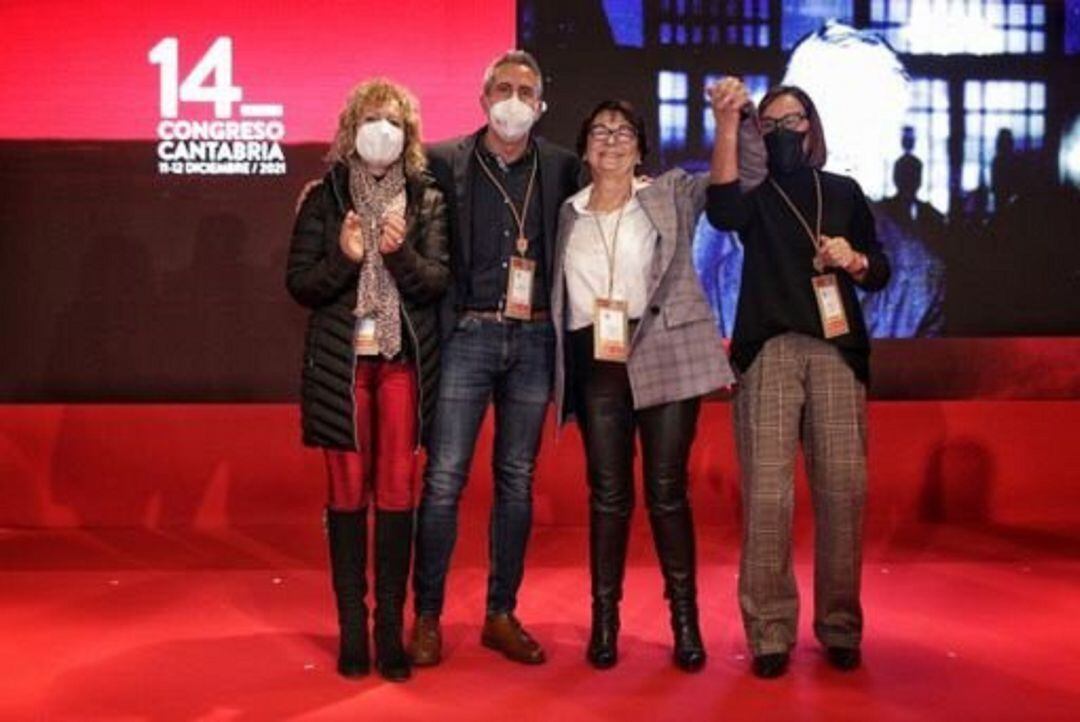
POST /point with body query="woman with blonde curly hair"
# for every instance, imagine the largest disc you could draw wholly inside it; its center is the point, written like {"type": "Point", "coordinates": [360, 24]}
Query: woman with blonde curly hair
{"type": "Point", "coordinates": [369, 258]}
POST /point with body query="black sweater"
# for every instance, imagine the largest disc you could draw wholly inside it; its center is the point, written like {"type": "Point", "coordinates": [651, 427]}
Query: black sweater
{"type": "Point", "coordinates": [776, 295]}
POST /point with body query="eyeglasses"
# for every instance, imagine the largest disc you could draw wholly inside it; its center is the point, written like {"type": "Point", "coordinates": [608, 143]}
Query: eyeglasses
{"type": "Point", "coordinates": [622, 134]}
{"type": "Point", "coordinates": [788, 122]}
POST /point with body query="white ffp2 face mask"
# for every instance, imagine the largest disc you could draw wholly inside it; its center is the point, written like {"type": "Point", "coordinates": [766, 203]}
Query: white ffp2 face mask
{"type": "Point", "coordinates": [511, 118]}
{"type": "Point", "coordinates": [379, 142]}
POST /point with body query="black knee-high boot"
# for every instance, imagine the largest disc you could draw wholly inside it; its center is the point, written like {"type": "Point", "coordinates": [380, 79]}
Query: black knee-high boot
{"type": "Point", "coordinates": [673, 533]}
{"type": "Point", "coordinates": [393, 551]}
{"type": "Point", "coordinates": [608, 534]}
{"type": "Point", "coordinates": [347, 534]}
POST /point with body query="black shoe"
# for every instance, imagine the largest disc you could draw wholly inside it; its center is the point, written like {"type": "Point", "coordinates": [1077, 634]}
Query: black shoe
{"type": "Point", "coordinates": [843, 658]}
{"type": "Point", "coordinates": [347, 536]}
{"type": "Point", "coordinates": [673, 534]}
{"type": "Point", "coordinates": [353, 664]}
{"type": "Point", "coordinates": [392, 662]}
{"type": "Point", "coordinates": [689, 653]}
{"type": "Point", "coordinates": [603, 650]}
{"type": "Point", "coordinates": [601, 657]}
{"type": "Point", "coordinates": [393, 550]}
{"type": "Point", "coordinates": [770, 666]}
{"type": "Point", "coordinates": [608, 533]}
{"type": "Point", "coordinates": [690, 660]}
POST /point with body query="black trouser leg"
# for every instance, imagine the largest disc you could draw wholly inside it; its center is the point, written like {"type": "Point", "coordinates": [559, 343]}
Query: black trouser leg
{"type": "Point", "coordinates": [667, 432]}
{"type": "Point", "coordinates": [608, 535]}
{"type": "Point", "coordinates": [393, 551]}
{"type": "Point", "coordinates": [347, 535]}
{"type": "Point", "coordinates": [605, 407]}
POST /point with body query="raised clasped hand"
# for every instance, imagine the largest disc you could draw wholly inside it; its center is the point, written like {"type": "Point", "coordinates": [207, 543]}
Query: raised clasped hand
{"type": "Point", "coordinates": [727, 97]}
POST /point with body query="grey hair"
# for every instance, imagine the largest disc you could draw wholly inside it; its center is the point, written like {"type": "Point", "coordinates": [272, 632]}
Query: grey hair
{"type": "Point", "coordinates": [514, 57]}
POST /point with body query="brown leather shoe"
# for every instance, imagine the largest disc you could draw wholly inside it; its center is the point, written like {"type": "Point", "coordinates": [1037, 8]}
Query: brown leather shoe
{"type": "Point", "coordinates": [425, 646]}
{"type": "Point", "coordinates": [504, 633]}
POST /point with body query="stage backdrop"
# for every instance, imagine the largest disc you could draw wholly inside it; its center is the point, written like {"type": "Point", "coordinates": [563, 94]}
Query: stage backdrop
{"type": "Point", "coordinates": [151, 153]}
{"type": "Point", "coordinates": [960, 120]}
{"type": "Point", "coordinates": [143, 248]}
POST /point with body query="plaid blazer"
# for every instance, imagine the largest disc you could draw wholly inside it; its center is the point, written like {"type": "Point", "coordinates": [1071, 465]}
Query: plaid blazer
{"type": "Point", "coordinates": [676, 351]}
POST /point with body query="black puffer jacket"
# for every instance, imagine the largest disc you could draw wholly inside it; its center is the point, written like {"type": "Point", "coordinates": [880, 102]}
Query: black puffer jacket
{"type": "Point", "coordinates": [321, 277]}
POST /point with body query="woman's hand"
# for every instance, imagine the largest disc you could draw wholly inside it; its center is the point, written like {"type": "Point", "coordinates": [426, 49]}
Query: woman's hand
{"type": "Point", "coordinates": [393, 232]}
{"type": "Point", "coordinates": [351, 238]}
{"type": "Point", "coordinates": [727, 97]}
{"type": "Point", "coordinates": [836, 252]}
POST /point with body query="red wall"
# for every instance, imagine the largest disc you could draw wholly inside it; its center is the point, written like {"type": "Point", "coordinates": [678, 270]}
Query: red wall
{"type": "Point", "coordinates": [205, 465]}
{"type": "Point", "coordinates": [79, 70]}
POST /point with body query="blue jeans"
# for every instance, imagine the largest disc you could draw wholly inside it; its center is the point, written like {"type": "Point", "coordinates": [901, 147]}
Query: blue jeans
{"type": "Point", "coordinates": [512, 365]}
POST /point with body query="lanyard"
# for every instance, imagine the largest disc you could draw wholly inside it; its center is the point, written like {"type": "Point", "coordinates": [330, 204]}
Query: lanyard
{"type": "Point", "coordinates": [519, 217]}
{"type": "Point", "coordinates": [609, 251]}
{"type": "Point", "coordinates": [815, 239]}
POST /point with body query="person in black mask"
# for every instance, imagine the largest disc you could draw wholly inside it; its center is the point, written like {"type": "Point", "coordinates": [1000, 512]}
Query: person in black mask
{"type": "Point", "coordinates": [801, 352]}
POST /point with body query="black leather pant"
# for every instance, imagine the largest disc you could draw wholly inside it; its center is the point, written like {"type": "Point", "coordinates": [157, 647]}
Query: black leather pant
{"type": "Point", "coordinates": [608, 420]}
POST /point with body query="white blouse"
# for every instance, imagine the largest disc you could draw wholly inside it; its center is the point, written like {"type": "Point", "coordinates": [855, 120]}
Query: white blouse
{"type": "Point", "coordinates": [586, 263]}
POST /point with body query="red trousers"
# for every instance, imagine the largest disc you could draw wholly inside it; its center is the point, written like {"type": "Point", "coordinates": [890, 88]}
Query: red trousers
{"type": "Point", "coordinates": [384, 466]}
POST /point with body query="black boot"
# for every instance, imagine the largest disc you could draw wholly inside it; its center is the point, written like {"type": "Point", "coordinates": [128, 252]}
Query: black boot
{"type": "Point", "coordinates": [393, 551]}
{"type": "Point", "coordinates": [673, 533]}
{"type": "Point", "coordinates": [608, 533]}
{"type": "Point", "coordinates": [347, 534]}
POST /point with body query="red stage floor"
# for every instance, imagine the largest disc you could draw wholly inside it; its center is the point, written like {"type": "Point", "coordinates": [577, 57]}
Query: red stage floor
{"type": "Point", "coordinates": [962, 624]}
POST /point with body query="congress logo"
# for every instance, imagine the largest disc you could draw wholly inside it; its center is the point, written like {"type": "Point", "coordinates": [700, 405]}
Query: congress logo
{"type": "Point", "coordinates": [245, 143]}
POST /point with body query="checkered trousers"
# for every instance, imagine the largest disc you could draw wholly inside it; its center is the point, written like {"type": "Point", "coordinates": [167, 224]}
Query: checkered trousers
{"type": "Point", "coordinates": [800, 388]}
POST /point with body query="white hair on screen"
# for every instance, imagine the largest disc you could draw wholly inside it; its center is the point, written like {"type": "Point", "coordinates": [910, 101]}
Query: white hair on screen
{"type": "Point", "coordinates": [861, 92]}
{"type": "Point", "coordinates": [1069, 155]}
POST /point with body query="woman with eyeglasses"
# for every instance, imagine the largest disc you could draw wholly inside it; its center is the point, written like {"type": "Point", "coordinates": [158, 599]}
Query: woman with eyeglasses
{"type": "Point", "coordinates": [637, 348]}
{"type": "Point", "coordinates": [801, 351]}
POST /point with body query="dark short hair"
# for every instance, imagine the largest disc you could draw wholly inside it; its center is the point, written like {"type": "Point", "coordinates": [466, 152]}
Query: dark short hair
{"type": "Point", "coordinates": [815, 155]}
{"type": "Point", "coordinates": [623, 108]}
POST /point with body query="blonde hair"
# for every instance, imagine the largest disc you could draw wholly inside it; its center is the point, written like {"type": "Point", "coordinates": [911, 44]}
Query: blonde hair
{"type": "Point", "coordinates": [374, 93]}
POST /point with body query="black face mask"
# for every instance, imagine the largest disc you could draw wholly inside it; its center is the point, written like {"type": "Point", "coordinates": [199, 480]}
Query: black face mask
{"type": "Point", "coordinates": [785, 148]}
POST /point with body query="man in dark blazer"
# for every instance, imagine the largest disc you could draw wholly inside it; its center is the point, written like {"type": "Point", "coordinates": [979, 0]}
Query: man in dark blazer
{"type": "Point", "coordinates": [503, 187]}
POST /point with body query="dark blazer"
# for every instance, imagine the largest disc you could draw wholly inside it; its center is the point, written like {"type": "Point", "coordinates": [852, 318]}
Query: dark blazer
{"type": "Point", "coordinates": [452, 164]}
{"type": "Point", "coordinates": [321, 277]}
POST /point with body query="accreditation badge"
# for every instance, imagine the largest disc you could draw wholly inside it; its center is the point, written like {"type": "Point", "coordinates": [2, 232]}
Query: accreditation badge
{"type": "Point", "coordinates": [365, 342]}
{"type": "Point", "coordinates": [611, 324]}
{"type": "Point", "coordinates": [519, 287]}
{"type": "Point", "coordinates": [830, 305]}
